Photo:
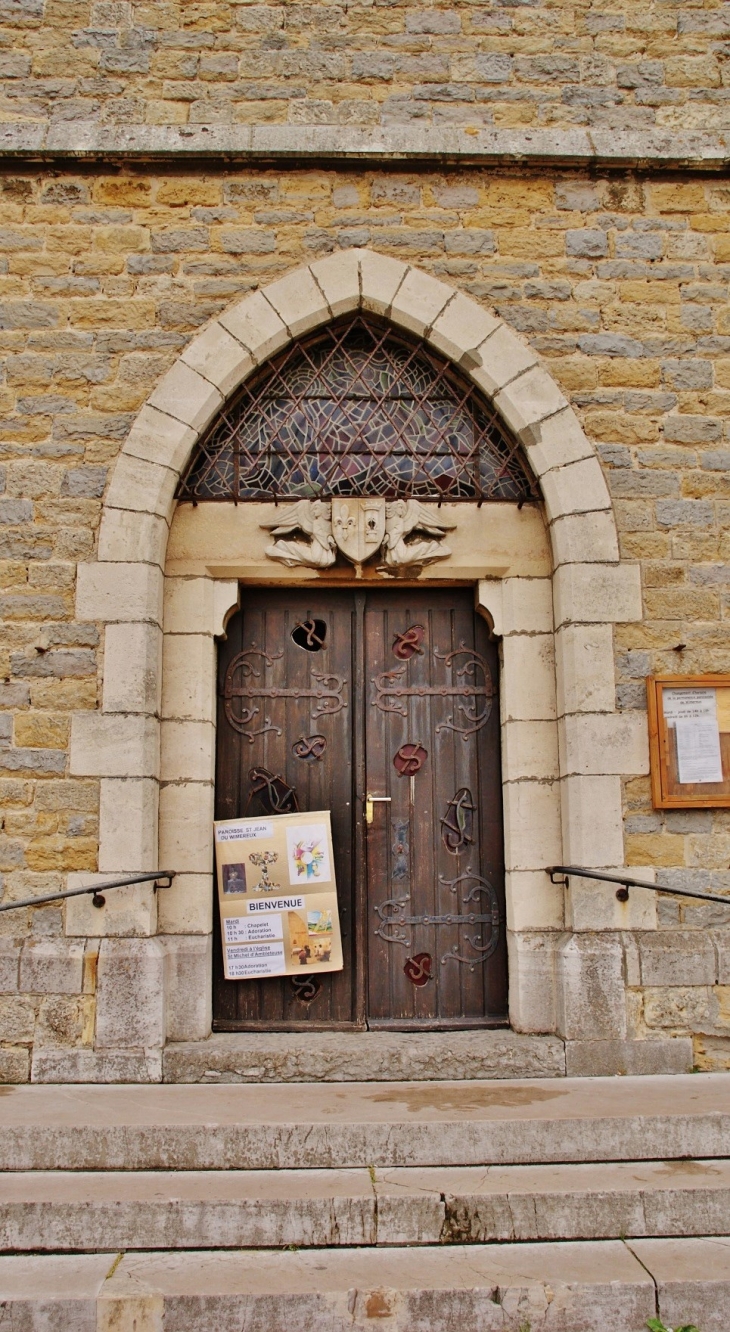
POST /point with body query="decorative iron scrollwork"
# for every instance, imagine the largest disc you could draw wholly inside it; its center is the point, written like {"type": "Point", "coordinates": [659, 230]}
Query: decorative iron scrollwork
{"type": "Point", "coordinates": [306, 988]}
{"type": "Point", "coordinates": [276, 795]}
{"type": "Point", "coordinates": [310, 634]}
{"type": "Point", "coordinates": [241, 687]}
{"type": "Point", "coordinates": [493, 919]}
{"type": "Point", "coordinates": [310, 748]}
{"type": "Point", "coordinates": [456, 825]}
{"type": "Point", "coordinates": [406, 645]}
{"type": "Point", "coordinates": [391, 693]}
{"type": "Point", "coordinates": [418, 969]}
{"type": "Point", "coordinates": [409, 759]}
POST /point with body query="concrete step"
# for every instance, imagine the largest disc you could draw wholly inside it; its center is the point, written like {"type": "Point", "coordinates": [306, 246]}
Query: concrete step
{"type": "Point", "coordinates": [66, 1211]}
{"type": "Point", "coordinates": [562, 1287]}
{"type": "Point", "coordinates": [364, 1056]}
{"type": "Point", "coordinates": [346, 1125]}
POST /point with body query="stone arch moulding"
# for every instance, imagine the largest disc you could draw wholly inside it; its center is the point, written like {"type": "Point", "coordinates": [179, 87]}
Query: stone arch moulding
{"type": "Point", "coordinates": [567, 809]}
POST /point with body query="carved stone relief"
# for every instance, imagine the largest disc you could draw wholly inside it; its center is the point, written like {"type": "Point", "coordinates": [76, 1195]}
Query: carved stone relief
{"type": "Point", "coordinates": [406, 534]}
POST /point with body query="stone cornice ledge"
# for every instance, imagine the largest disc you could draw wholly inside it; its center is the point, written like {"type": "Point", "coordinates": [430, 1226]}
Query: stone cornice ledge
{"type": "Point", "coordinates": [88, 141]}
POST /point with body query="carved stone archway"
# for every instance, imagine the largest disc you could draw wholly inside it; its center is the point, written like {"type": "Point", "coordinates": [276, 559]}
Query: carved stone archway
{"type": "Point", "coordinates": [565, 805]}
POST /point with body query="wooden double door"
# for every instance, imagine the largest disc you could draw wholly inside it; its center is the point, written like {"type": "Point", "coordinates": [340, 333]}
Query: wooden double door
{"type": "Point", "coordinates": [382, 707]}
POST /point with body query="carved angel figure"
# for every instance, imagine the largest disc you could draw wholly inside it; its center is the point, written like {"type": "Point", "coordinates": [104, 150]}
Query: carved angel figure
{"type": "Point", "coordinates": [311, 518]}
{"type": "Point", "coordinates": [402, 518]}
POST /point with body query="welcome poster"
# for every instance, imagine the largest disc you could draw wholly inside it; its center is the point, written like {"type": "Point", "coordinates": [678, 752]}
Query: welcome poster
{"type": "Point", "coordinates": [278, 897]}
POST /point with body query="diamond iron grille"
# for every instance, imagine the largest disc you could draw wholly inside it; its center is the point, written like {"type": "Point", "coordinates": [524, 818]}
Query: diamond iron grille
{"type": "Point", "coordinates": [357, 409]}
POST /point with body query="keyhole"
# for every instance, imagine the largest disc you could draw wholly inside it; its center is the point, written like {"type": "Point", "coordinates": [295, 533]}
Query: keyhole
{"type": "Point", "coordinates": [310, 635]}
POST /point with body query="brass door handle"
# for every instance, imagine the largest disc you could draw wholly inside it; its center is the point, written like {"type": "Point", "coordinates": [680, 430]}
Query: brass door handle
{"type": "Point", "coordinates": [370, 801]}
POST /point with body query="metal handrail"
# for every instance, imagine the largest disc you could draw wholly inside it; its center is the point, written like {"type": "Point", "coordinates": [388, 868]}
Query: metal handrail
{"type": "Point", "coordinates": [98, 899]}
{"type": "Point", "coordinates": [579, 872]}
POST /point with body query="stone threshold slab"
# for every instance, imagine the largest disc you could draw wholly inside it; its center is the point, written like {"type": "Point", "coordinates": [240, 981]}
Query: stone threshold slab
{"type": "Point", "coordinates": [87, 140]}
{"type": "Point", "coordinates": [314, 1125]}
{"type": "Point", "coordinates": [368, 1056]}
{"type": "Point", "coordinates": [77, 1211]}
{"type": "Point", "coordinates": [491, 1287]}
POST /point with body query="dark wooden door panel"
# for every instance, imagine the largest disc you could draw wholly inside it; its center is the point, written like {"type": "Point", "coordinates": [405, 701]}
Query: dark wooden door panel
{"type": "Point", "coordinates": [393, 693]}
{"type": "Point", "coordinates": [304, 736]}
{"type": "Point", "coordinates": [435, 852]}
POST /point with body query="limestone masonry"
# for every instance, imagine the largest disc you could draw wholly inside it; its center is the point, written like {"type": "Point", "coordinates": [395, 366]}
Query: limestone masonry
{"type": "Point", "coordinates": [613, 282]}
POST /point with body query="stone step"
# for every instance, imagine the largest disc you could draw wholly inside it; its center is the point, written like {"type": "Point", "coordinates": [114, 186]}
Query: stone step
{"type": "Point", "coordinates": [65, 1211]}
{"type": "Point", "coordinates": [566, 1287]}
{"type": "Point", "coordinates": [337, 1126]}
{"type": "Point", "coordinates": [364, 1056]}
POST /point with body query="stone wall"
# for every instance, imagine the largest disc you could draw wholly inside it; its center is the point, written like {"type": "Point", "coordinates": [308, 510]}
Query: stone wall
{"type": "Point", "coordinates": [620, 284]}
{"type": "Point", "coordinates": [468, 62]}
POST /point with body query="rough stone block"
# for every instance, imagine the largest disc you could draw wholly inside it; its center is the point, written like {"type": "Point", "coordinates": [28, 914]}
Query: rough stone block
{"type": "Point", "coordinates": [298, 301]}
{"type": "Point", "coordinates": [57, 1065]}
{"type": "Point", "coordinates": [532, 991]}
{"type": "Point", "coordinates": [114, 745]}
{"type": "Point", "coordinates": [593, 905]}
{"type": "Point", "coordinates": [677, 957]}
{"type": "Point", "coordinates": [591, 995]}
{"type": "Point", "coordinates": [130, 1002]}
{"type": "Point", "coordinates": [189, 966]}
{"type": "Point", "coordinates": [584, 538]}
{"type": "Point", "coordinates": [9, 964]}
{"type": "Point", "coordinates": [578, 488]}
{"type": "Point", "coordinates": [127, 913]}
{"type": "Point", "coordinates": [532, 825]}
{"type": "Point", "coordinates": [597, 594]}
{"type": "Point", "coordinates": [500, 360]}
{"type": "Point", "coordinates": [160, 438]}
{"type": "Point", "coordinates": [186, 827]}
{"type": "Point", "coordinates": [52, 966]}
{"type": "Point", "coordinates": [585, 671]}
{"type": "Point", "coordinates": [123, 534]}
{"type": "Point", "coordinates": [256, 325]}
{"type": "Point", "coordinates": [187, 396]}
{"type": "Point", "coordinates": [600, 744]}
{"type": "Point", "coordinates": [529, 399]}
{"type": "Point", "coordinates": [557, 442]}
{"type": "Point", "coordinates": [219, 357]}
{"type": "Point", "coordinates": [533, 902]}
{"type": "Point", "coordinates": [529, 749]}
{"type": "Point", "coordinates": [528, 678]}
{"type": "Point", "coordinates": [187, 750]}
{"type": "Point", "coordinates": [721, 940]}
{"type": "Point", "coordinates": [339, 278]}
{"type": "Point", "coordinates": [380, 278]}
{"type": "Point", "coordinates": [128, 824]}
{"type": "Point", "coordinates": [692, 1277]}
{"type": "Point", "coordinates": [188, 677]}
{"type": "Point", "coordinates": [605, 1059]}
{"type": "Point", "coordinates": [142, 486]}
{"type": "Point", "coordinates": [119, 592]}
{"type": "Point", "coordinates": [419, 300]}
{"type": "Point", "coordinates": [187, 906]}
{"type": "Point", "coordinates": [14, 1065]}
{"type": "Point", "coordinates": [132, 668]}
{"type": "Point", "coordinates": [461, 328]}
{"type": "Point", "coordinates": [592, 822]}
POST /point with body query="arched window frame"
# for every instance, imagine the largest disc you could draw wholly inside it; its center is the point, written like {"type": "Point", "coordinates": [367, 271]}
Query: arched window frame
{"type": "Point", "coordinates": [427, 432]}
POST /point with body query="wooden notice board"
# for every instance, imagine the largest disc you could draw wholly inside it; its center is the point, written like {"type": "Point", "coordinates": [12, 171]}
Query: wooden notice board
{"type": "Point", "coordinates": [689, 740]}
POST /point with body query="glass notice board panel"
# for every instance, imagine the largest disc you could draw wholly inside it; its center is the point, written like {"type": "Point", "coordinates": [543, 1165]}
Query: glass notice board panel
{"type": "Point", "coordinates": [689, 740]}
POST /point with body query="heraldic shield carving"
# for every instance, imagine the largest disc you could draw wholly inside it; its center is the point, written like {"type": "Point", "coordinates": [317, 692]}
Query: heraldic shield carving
{"type": "Point", "coordinates": [405, 532]}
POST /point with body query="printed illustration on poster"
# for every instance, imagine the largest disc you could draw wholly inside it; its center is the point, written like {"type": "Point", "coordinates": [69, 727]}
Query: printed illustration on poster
{"type": "Point", "coordinates": [277, 896]}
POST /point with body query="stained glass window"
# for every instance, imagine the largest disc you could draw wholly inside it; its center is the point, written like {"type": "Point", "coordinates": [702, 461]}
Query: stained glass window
{"type": "Point", "coordinates": [362, 409]}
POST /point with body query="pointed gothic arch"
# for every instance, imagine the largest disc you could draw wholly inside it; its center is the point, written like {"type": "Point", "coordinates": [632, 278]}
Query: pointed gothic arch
{"type": "Point", "coordinates": [123, 589]}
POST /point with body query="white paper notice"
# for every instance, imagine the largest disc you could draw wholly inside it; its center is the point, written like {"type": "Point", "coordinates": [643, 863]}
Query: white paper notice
{"type": "Point", "coordinates": [698, 750]}
{"type": "Point", "coordinates": [688, 705]}
{"type": "Point", "coordinates": [237, 832]}
{"type": "Point", "coordinates": [266, 959]}
{"type": "Point", "coordinates": [242, 929]}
